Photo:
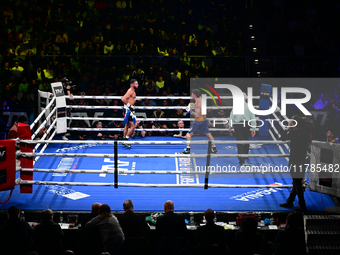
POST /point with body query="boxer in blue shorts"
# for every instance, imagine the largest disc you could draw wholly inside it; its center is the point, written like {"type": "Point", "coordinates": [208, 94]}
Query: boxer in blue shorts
{"type": "Point", "coordinates": [201, 124]}
{"type": "Point", "coordinates": [129, 100]}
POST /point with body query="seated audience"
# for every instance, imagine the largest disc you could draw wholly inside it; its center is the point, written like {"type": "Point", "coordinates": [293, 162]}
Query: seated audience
{"type": "Point", "coordinates": [291, 240]}
{"type": "Point", "coordinates": [110, 231]}
{"type": "Point", "coordinates": [248, 240]}
{"type": "Point", "coordinates": [17, 234]}
{"type": "Point", "coordinates": [48, 236]}
{"type": "Point", "coordinates": [90, 241]}
{"type": "Point", "coordinates": [180, 133]}
{"type": "Point", "coordinates": [211, 238]}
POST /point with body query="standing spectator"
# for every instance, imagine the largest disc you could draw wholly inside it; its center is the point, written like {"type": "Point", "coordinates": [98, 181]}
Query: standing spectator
{"type": "Point", "coordinates": [109, 228]}
{"type": "Point", "coordinates": [48, 236]}
{"type": "Point", "coordinates": [211, 238]}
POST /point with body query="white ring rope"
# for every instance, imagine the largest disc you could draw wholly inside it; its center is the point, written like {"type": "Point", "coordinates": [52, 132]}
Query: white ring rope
{"type": "Point", "coordinates": [19, 181]}
{"type": "Point", "coordinates": [45, 146]}
{"type": "Point", "coordinates": [253, 170]}
{"type": "Point", "coordinates": [29, 154]}
{"type": "Point", "coordinates": [278, 145]}
{"type": "Point", "coordinates": [154, 142]}
{"type": "Point", "coordinates": [93, 107]}
{"type": "Point", "coordinates": [145, 119]}
{"type": "Point", "coordinates": [148, 97]}
{"type": "Point", "coordinates": [44, 123]}
{"type": "Point", "coordinates": [45, 135]}
{"type": "Point", "coordinates": [42, 112]}
{"type": "Point", "coordinates": [144, 129]}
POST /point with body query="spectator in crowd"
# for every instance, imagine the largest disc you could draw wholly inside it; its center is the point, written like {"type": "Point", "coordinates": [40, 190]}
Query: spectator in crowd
{"type": "Point", "coordinates": [48, 235]}
{"type": "Point", "coordinates": [211, 238]}
{"type": "Point", "coordinates": [171, 231]}
{"type": "Point", "coordinates": [170, 224]}
{"type": "Point", "coordinates": [181, 133]}
{"type": "Point", "coordinates": [117, 135]}
{"type": "Point", "coordinates": [291, 240]}
{"type": "Point", "coordinates": [132, 224]}
{"type": "Point", "coordinates": [110, 231]}
{"type": "Point", "coordinates": [79, 135]}
{"type": "Point", "coordinates": [248, 240]}
{"type": "Point", "coordinates": [331, 135]}
{"type": "Point", "coordinates": [17, 70]}
{"type": "Point", "coordinates": [108, 48]}
{"type": "Point", "coordinates": [321, 103]}
{"type": "Point", "coordinates": [177, 115]}
{"type": "Point", "coordinates": [98, 134]}
{"type": "Point", "coordinates": [17, 233]}
{"type": "Point", "coordinates": [90, 241]}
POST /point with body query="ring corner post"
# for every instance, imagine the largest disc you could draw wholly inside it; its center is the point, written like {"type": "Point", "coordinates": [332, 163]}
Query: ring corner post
{"type": "Point", "coordinates": [116, 164]}
{"type": "Point", "coordinates": [208, 164]}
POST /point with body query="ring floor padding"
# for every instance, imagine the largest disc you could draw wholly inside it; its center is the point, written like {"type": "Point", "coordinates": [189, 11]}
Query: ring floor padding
{"type": "Point", "coordinates": [78, 198]}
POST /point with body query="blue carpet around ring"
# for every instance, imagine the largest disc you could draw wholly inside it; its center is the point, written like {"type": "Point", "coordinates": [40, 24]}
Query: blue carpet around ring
{"type": "Point", "coordinates": [78, 198]}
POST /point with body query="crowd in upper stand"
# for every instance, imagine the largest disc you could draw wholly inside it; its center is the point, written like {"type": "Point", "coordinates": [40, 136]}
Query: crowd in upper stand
{"type": "Point", "coordinates": [102, 44]}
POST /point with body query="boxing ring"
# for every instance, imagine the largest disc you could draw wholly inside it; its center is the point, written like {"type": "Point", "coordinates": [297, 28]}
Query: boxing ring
{"type": "Point", "coordinates": [72, 175]}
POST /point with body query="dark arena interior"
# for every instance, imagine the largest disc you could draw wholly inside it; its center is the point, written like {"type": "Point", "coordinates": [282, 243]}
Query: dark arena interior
{"type": "Point", "coordinates": [169, 127]}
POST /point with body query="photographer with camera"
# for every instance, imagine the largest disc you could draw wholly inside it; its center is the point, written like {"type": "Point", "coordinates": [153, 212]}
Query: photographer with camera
{"type": "Point", "coordinates": [98, 134]}
{"type": "Point", "coordinates": [68, 87]}
{"type": "Point", "coordinates": [117, 135]}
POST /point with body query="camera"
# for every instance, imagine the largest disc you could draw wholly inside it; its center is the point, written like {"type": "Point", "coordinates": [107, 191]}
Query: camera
{"type": "Point", "coordinates": [66, 83]}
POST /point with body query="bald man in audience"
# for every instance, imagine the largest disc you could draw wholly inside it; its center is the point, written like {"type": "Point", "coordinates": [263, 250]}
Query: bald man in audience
{"type": "Point", "coordinates": [170, 224]}
{"type": "Point", "coordinates": [132, 224]}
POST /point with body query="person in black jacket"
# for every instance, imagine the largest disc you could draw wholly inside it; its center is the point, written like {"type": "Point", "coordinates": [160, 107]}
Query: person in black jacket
{"type": "Point", "coordinates": [170, 224]}
{"type": "Point", "coordinates": [211, 238]}
{"type": "Point", "coordinates": [171, 231]}
{"type": "Point", "coordinates": [299, 139]}
{"type": "Point", "coordinates": [48, 236]}
{"type": "Point", "coordinates": [136, 230]}
{"type": "Point", "coordinates": [131, 223]}
{"type": "Point", "coordinates": [90, 241]}
{"type": "Point", "coordinates": [17, 234]}
{"type": "Point", "coordinates": [291, 240]}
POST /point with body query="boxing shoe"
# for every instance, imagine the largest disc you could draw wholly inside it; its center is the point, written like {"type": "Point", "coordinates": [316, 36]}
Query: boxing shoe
{"type": "Point", "coordinates": [287, 205]}
{"type": "Point", "coordinates": [186, 151]}
{"type": "Point", "coordinates": [300, 208]}
{"type": "Point", "coordinates": [126, 145]}
{"type": "Point", "coordinates": [213, 149]}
